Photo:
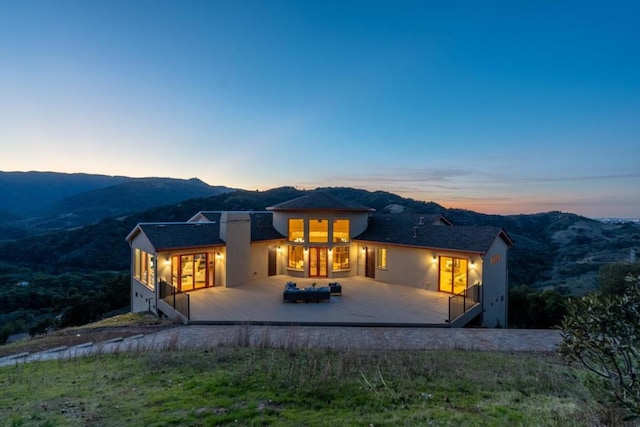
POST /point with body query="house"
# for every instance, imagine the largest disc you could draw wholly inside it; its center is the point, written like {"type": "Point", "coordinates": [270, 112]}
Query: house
{"type": "Point", "coordinates": [320, 237]}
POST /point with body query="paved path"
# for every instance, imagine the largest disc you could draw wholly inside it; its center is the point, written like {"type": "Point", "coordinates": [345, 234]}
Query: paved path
{"type": "Point", "coordinates": [196, 336]}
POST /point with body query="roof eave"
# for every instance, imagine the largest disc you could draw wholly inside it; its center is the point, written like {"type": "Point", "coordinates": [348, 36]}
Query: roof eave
{"type": "Point", "coordinates": [406, 245]}
{"type": "Point", "coordinates": [180, 248]}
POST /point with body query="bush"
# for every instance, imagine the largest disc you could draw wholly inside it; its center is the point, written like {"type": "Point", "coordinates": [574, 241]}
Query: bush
{"type": "Point", "coordinates": [535, 309]}
{"type": "Point", "coordinates": [601, 333]}
{"type": "Point", "coordinates": [612, 277]}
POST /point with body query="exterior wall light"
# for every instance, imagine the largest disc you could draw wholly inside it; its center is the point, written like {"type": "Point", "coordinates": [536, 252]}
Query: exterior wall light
{"type": "Point", "coordinates": [434, 259]}
{"type": "Point", "coordinates": [472, 264]}
{"type": "Point", "coordinates": [218, 255]}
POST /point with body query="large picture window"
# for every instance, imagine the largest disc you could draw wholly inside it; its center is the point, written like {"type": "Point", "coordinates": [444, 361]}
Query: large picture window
{"type": "Point", "coordinates": [143, 267]}
{"type": "Point", "coordinates": [340, 258]}
{"type": "Point", "coordinates": [296, 230]}
{"type": "Point", "coordinates": [318, 230]}
{"type": "Point", "coordinates": [190, 272]}
{"type": "Point", "coordinates": [340, 230]}
{"type": "Point", "coordinates": [382, 258]}
{"type": "Point", "coordinates": [296, 257]}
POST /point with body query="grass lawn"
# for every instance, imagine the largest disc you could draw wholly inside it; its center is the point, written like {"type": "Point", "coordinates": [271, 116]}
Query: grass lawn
{"type": "Point", "coordinates": [252, 386]}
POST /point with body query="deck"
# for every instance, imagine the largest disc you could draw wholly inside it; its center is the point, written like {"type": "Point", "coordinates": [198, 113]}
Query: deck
{"type": "Point", "coordinates": [363, 302]}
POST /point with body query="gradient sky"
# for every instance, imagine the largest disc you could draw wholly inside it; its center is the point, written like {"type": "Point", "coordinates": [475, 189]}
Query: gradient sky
{"type": "Point", "coordinates": [496, 106]}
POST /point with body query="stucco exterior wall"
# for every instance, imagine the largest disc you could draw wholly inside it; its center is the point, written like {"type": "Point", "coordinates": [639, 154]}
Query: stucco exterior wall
{"type": "Point", "coordinates": [405, 266]}
{"type": "Point", "coordinates": [142, 298]}
{"type": "Point", "coordinates": [415, 267]}
{"type": "Point", "coordinates": [495, 287]}
{"type": "Point", "coordinates": [259, 260]}
{"type": "Point", "coordinates": [235, 231]}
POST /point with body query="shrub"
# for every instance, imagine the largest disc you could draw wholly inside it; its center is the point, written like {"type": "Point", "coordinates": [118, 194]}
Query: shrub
{"type": "Point", "coordinates": [601, 333]}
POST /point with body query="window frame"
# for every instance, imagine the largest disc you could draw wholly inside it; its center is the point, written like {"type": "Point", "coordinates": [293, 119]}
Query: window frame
{"type": "Point", "coordinates": [381, 258]}
{"type": "Point", "coordinates": [334, 237]}
{"type": "Point", "coordinates": [292, 262]}
{"type": "Point", "coordinates": [336, 253]}
{"type": "Point", "coordinates": [320, 226]}
{"type": "Point", "coordinates": [290, 236]}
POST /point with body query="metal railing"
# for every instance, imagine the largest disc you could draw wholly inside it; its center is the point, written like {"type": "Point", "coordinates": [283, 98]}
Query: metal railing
{"type": "Point", "coordinates": [463, 301]}
{"type": "Point", "coordinates": [177, 299]}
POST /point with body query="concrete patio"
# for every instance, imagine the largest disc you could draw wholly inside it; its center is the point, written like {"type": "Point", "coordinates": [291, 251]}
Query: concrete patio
{"type": "Point", "coordinates": [363, 302]}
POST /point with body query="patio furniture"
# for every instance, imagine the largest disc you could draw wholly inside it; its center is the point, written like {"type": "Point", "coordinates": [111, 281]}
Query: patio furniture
{"type": "Point", "coordinates": [293, 294]}
{"type": "Point", "coordinates": [335, 288]}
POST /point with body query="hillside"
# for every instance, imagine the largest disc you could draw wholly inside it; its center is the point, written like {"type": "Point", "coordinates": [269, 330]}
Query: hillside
{"type": "Point", "coordinates": [35, 202]}
{"type": "Point", "coordinates": [28, 193]}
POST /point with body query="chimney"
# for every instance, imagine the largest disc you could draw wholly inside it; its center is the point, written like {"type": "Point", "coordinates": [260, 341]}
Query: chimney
{"type": "Point", "coordinates": [415, 232]}
{"type": "Point", "coordinates": [421, 220]}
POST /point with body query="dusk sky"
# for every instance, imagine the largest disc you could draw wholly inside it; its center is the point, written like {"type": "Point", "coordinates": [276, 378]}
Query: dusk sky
{"type": "Point", "coordinates": [495, 106]}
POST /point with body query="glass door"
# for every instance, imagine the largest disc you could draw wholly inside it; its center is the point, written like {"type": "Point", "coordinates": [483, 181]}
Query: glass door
{"type": "Point", "coordinates": [453, 274]}
{"type": "Point", "coordinates": [318, 261]}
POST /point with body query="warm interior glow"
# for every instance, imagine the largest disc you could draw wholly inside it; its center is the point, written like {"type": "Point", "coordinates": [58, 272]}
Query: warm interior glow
{"type": "Point", "coordinates": [296, 257]}
{"type": "Point", "coordinates": [341, 258]}
{"type": "Point", "coordinates": [318, 230]}
{"type": "Point", "coordinates": [340, 230]}
{"type": "Point", "coordinates": [296, 230]}
{"type": "Point", "coordinates": [453, 274]}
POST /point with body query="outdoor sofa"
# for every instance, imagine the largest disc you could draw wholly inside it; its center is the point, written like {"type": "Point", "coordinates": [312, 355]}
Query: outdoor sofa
{"type": "Point", "coordinates": [294, 294]}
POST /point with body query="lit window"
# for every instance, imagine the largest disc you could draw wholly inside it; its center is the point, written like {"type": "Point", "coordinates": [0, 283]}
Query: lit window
{"type": "Point", "coordinates": [341, 230]}
{"type": "Point", "coordinates": [296, 230]}
{"type": "Point", "coordinates": [453, 274]}
{"type": "Point", "coordinates": [382, 258]}
{"type": "Point", "coordinates": [136, 263]}
{"type": "Point", "coordinates": [340, 258]}
{"type": "Point", "coordinates": [190, 272]}
{"type": "Point", "coordinates": [143, 268]}
{"type": "Point", "coordinates": [186, 273]}
{"type": "Point", "coordinates": [296, 257]}
{"type": "Point", "coordinates": [318, 230]}
{"type": "Point", "coordinates": [150, 271]}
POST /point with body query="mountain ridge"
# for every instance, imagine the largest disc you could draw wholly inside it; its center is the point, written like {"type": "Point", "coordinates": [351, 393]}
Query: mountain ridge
{"type": "Point", "coordinates": [51, 200]}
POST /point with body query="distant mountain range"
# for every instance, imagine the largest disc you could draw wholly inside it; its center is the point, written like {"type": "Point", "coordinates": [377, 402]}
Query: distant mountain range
{"type": "Point", "coordinates": [62, 222]}
{"type": "Point", "coordinates": [38, 201]}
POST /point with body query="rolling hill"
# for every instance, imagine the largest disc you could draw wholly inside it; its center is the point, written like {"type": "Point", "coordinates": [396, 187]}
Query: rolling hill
{"type": "Point", "coordinates": [36, 202]}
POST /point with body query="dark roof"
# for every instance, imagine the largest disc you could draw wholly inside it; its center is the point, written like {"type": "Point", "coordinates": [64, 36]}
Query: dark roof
{"type": "Point", "coordinates": [406, 230]}
{"type": "Point", "coordinates": [262, 227]}
{"type": "Point", "coordinates": [433, 219]}
{"type": "Point", "coordinates": [213, 216]}
{"type": "Point", "coordinates": [174, 235]}
{"type": "Point", "coordinates": [318, 200]}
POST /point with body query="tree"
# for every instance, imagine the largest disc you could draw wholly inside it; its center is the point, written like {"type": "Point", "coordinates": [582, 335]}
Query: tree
{"type": "Point", "coordinates": [602, 333]}
{"type": "Point", "coordinates": [612, 277]}
{"type": "Point", "coordinates": [529, 308]}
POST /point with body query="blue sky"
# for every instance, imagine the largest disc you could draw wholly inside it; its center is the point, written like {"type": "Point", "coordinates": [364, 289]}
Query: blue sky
{"type": "Point", "coordinates": [495, 106]}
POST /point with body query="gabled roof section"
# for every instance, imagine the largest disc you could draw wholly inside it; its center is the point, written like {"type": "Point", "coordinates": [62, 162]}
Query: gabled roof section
{"type": "Point", "coordinates": [406, 230]}
{"type": "Point", "coordinates": [262, 227]}
{"type": "Point", "coordinates": [319, 201]}
{"type": "Point", "coordinates": [433, 219]}
{"type": "Point", "coordinates": [177, 235]}
{"type": "Point", "coordinates": [206, 216]}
